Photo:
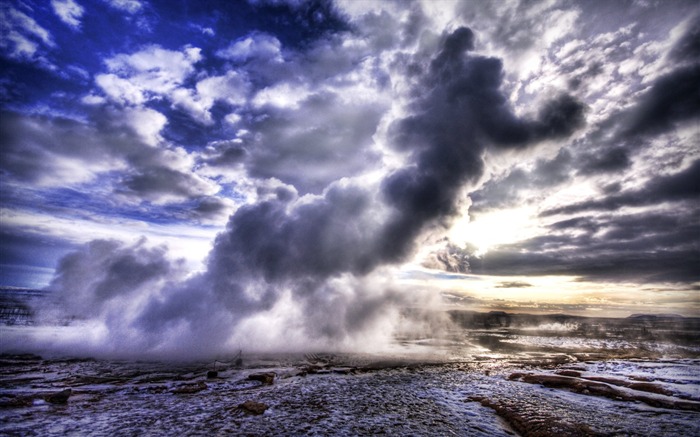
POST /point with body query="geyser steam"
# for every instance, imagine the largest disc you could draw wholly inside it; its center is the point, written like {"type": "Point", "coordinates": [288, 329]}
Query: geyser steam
{"type": "Point", "coordinates": [310, 272]}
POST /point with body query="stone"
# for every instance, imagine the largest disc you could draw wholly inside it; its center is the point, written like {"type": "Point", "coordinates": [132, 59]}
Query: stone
{"type": "Point", "coordinates": [190, 388]}
{"type": "Point", "coordinates": [60, 397]}
{"type": "Point", "coordinates": [16, 401]}
{"type": "Point", "coordinates": [252, 407]}
{"type": "Point", "coordinates": [265, 378]}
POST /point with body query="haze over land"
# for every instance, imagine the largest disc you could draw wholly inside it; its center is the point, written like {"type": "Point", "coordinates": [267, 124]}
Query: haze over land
{"type": "Point", "coordinates": [285, 174]}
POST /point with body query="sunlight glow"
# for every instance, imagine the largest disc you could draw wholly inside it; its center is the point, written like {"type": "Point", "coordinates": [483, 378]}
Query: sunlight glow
{"type": "Point", "coordinates": [495, 228]}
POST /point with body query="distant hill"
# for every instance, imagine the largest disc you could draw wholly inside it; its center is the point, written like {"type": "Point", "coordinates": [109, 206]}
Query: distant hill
{"type": "Point", "coordinates": [655, 316]}
{"type": "Point", "coordinates": [16, 304]}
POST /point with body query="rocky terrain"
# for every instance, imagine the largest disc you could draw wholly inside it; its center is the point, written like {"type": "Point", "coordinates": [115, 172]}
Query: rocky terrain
{"type": "Point", "coordinates": [493, 374]}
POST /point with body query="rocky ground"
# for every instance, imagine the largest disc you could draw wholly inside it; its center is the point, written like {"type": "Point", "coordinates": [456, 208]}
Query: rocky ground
{"type": "Point", "coordinates": [495, 374]}
{"type": "Point", "coordinates": [530, 395]}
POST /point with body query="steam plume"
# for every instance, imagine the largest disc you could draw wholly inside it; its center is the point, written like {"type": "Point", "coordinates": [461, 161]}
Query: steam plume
{"type": "Point", "coordinates": [312, 272]}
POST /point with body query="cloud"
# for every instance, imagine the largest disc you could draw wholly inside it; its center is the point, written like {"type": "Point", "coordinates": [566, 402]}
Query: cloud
{"type": "Point", "coordinates": [652, 245]}
{"type": "Point", "coordinates": [462, 113]}
{"type": "Point", "coordinates": [153, 73]}
{"type": "Point", "coordinates": [451, 259]}
{"type": "Point", "coordinates": [120, 90]}
{"type": "Point", "coordinates": [513, 284]}
{"type": "Point", "coordinates": [161, 184]}
{"type": "Point", "coordinates": [231, 88]}
{"type": "Point", "coordinates": [107, 276]}
{"type": "Point", "coordinates": [53, 151]}
{"type": "Point", "coordinates": [69, 12]}
{"type": "Point", "coordinates": [672, 99]}
{"type": "Point", "coordinates": [130, 6]}
{"type": "Point", "coordinates": [522, 185]}
{"type": "Point", "coordinates": [258, 45]}
{"type": "Point", "coordinates": [152, 70]}
{"type": "Point", "coordinates": [292, 261]}
{"type": "Point", "coordinates": [681, 186]}
{"type": "Point", "coordinates": [22, 37]}
{"type": "Point", "coordinates": [322, 140]}
{"type": "Point", "coordinates": [687, 48]}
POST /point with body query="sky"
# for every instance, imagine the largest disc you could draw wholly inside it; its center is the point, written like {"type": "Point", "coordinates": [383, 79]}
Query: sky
{"type": "Point", "coordinates": [286, 171]}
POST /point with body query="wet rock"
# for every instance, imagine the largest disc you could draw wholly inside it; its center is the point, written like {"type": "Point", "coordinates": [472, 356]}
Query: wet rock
{"type": "Point", "coordinates": [252, 407]}
{"type": "Point", "coordinates": [265, 378]}
{"type": "Point", "coordinates": [60, 397]}
{"type": "Point", "coordinates": [190, 388]}
{"type": "Point", "coordinates": [533, 421]}
{"type": "Point", "coordinates": [648, 387]}
{"type": "Point", "coordinates": [599, 388]}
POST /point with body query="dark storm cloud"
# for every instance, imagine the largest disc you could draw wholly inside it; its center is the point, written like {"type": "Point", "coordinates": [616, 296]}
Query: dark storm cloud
{"type": "Point", "coordinates": [224, 154]}
{"type": "Point", "coordinates": [687, 48]}
{"type": "Point", "coordinates": [152, 183]}
{"type": "Point", "coordinates": [210, 207]}
{"type": "Point", "coordinates": [672, 99]}
{"type": "Point", "coordinates": [662, 266]}
{"type": "Point", "coordinates": [611, 160]}
{"type": "Point", "coordinates": [463, 113]}
{"type": "Point", "coordinates": [680, 186]}
{"type": "Point", "coordinates": [445, 137]}
{"type": "Point", "coordinates": [652, 246]}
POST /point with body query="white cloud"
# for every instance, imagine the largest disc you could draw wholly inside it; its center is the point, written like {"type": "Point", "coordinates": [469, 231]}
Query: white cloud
{"type": "Point", "coordinates": [154, 73]}
{"type": "Point", "coordinates": [120, 90]}
{"type": "Point", "coordinates": [130, 6]}
{"type": "Point", "coordinates": [92, 99]}
{"type": "Point", "coordinates": [255, 46]}
{"type": "Point", "coordinates": [68, 11]}
{"type": "Point", "coordinates": [283, 95]}
{"type": "Point", "coordinates": [232, 118]}
{"type": "Point", "coordinates": [231, 88]}
{"type": "Point", "coordinates": [23, 47]}
{"type": "Point", "coordinates": [147, 123]}
{"type": "Point", "coordinates": [21, 37]}
{"type": "Point", "coordinates": [155, 69]}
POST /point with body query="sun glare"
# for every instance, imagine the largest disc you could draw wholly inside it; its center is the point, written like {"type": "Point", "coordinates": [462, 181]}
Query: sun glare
{"type": "Point", "coordinates": [495, 228]}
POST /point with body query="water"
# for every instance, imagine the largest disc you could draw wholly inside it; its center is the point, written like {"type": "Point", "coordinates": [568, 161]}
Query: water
{"type": "Point", "coordinates": [490, 375]}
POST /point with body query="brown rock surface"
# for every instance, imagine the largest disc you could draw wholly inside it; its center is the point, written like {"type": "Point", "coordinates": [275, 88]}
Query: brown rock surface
{"type": "Point", "coordinates": [252, 407]}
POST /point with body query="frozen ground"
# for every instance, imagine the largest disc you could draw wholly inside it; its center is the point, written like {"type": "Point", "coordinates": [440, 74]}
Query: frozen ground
{"type": "Point", "coordinates": [351, 395]}
{"type": "Point", "coordinates": [495, 374]}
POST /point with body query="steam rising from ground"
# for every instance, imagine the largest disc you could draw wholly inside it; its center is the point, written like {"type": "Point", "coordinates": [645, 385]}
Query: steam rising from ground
{"type": "Point", "coordinates": [313, 272]}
